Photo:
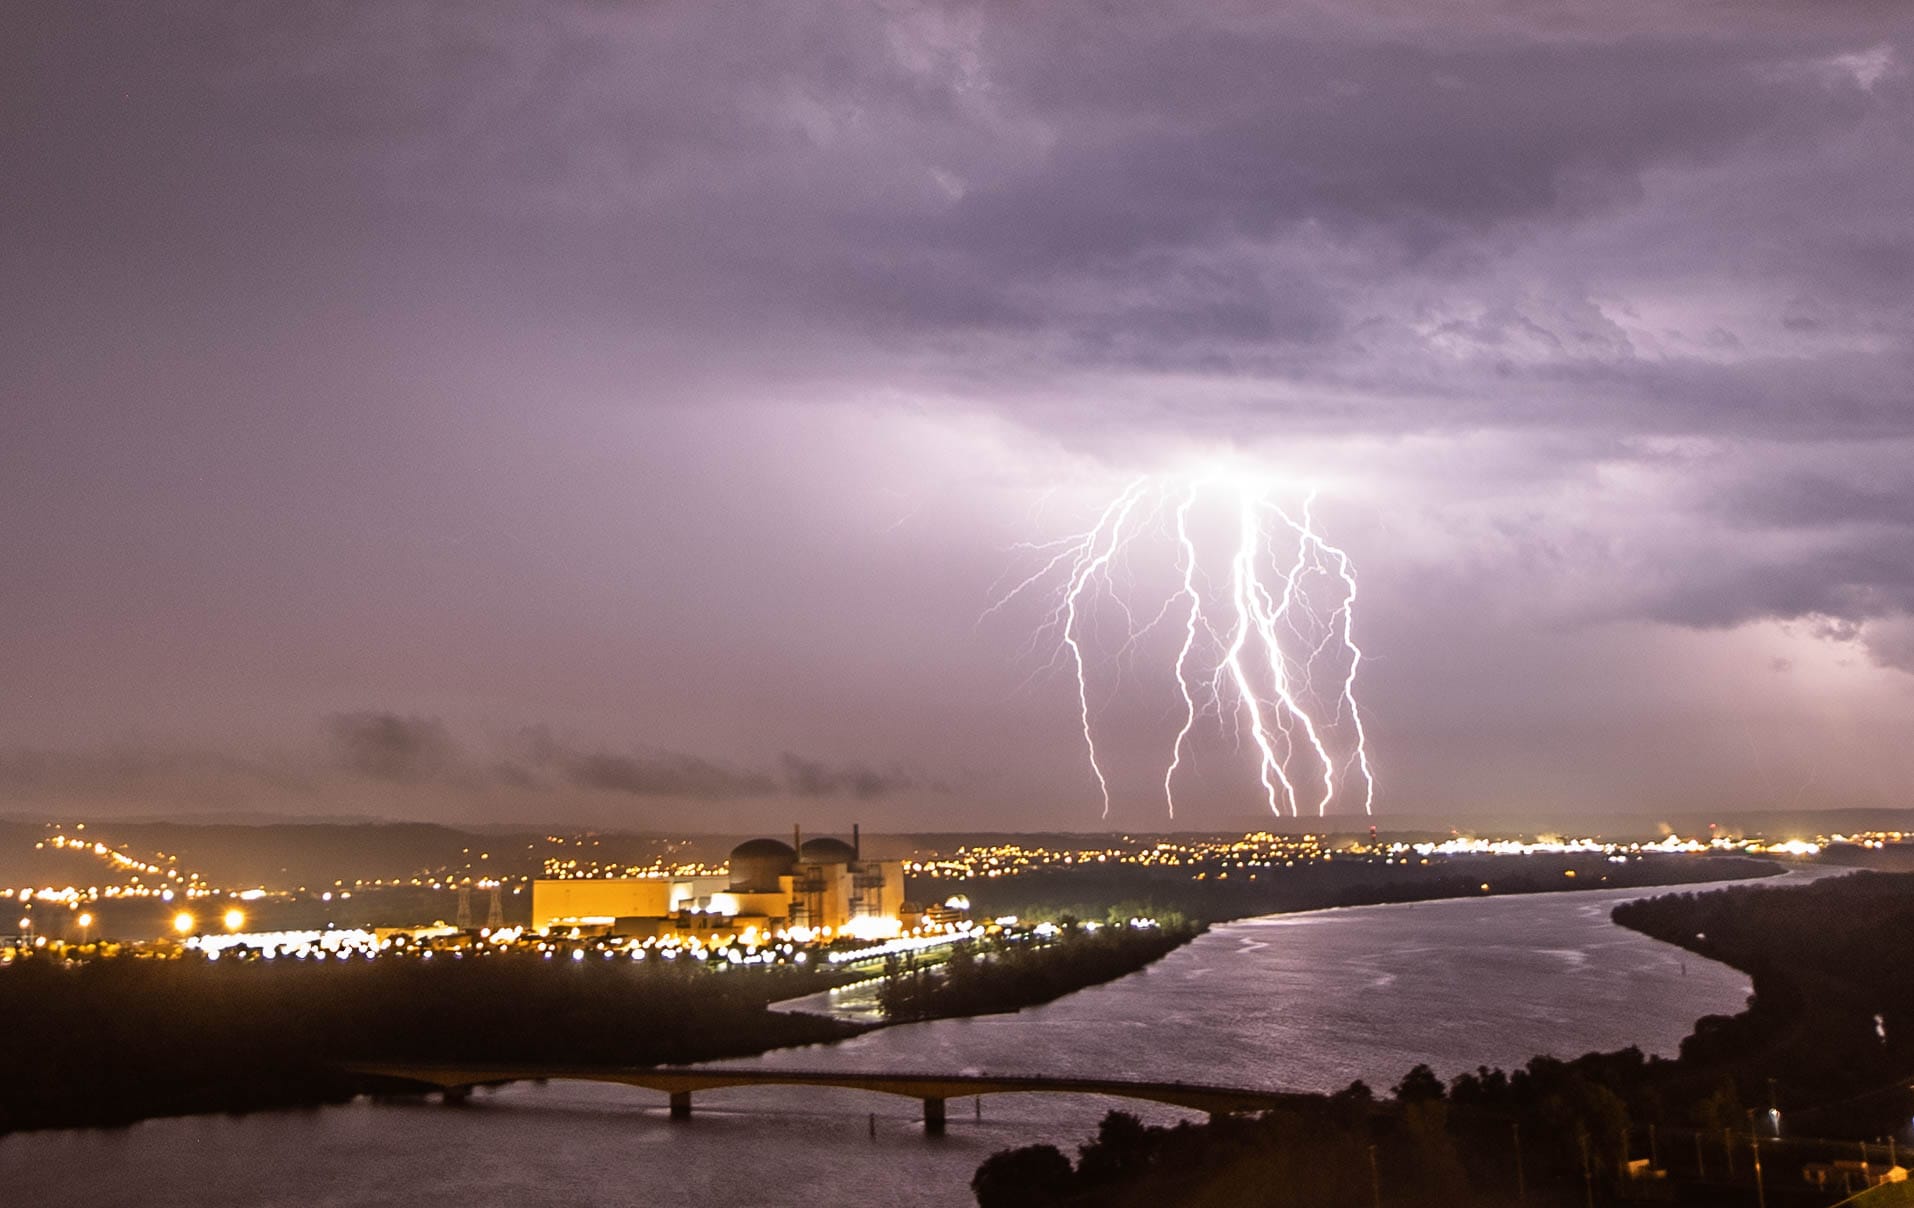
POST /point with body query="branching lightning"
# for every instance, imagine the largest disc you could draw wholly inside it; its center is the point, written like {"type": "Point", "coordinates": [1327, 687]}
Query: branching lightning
{"type": "Point", "coordinates": [1267, 645]}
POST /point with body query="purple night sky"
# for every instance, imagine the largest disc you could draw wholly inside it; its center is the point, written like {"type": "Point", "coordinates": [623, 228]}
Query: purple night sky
{"type": "Point", "coordinates": [620, 413]}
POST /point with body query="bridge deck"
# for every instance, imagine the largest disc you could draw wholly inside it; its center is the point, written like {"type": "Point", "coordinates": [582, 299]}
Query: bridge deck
{"type": "Point", "coordinates": [682, 1080]}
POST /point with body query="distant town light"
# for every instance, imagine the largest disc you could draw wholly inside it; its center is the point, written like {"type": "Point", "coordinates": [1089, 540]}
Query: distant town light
{"type": "Point", "coordinates": [183, 923]}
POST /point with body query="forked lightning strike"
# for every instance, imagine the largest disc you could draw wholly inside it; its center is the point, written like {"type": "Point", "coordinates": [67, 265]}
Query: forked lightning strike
{"type": "Point", "coordinates": [1253, 640]}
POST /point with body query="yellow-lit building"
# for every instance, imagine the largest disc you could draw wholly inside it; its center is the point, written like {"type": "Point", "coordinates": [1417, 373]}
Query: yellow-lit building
{"type": "Point", "coordinates": [599, 902]}
{"type": "Point", "coordinates": [821, 886]}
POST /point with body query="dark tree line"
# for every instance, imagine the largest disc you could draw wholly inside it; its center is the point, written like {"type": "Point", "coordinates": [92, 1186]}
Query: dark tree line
{"type": "Point", "coordinates": [1126, 890]}
{"type": "Point", "coordinates": [111, 1041]}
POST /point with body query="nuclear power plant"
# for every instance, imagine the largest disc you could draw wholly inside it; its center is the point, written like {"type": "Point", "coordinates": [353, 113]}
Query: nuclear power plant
{"type": "Point", "coordinates": [809, 888]}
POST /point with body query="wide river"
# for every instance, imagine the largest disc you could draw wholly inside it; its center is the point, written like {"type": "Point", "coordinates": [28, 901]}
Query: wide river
{"type": "Point", "coordinates": [1302, 1001]}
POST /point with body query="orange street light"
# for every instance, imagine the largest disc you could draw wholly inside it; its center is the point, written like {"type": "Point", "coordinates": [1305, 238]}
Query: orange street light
{"type": "Point", "coordinates": [235, 919]}
{"type": "Point", "coordinates": [183, 923]}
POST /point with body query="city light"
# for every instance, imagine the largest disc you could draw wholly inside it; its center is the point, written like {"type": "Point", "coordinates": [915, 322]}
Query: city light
{"type": "Point", "coordinates": [948, 880]}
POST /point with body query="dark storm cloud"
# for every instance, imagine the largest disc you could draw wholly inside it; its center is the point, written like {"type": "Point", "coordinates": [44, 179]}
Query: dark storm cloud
{"type": "Point", "coordinates": [1414, 146]}
{"type": "Point", "coordinates": [1813, 500]}
{"type": "Point", "coordinates": [387, 746]}
{"type": "Point", "coordinates": [1845, 583]}
{"type": "Point", "coordinates": [665, 776]}
{"type": "Point", "coordinates": [416, 753]}
{"type": "Point", "coordinates": [675, 774]}
{"type": "Point", "coordinates": [410, 750]}
{"type": "Point", "coordinates": [949, 169]}
{"type": "Point", "coordinates": [1892, 644]}
{"type": "Point", "coordinates": [813, 778]}
{"type": "Point", "coordinates": [537, 755]}
{"type": "Point", "coordinates": [1242, 195]}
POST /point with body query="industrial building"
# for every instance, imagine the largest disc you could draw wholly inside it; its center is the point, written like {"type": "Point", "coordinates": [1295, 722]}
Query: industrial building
{"type": "Point", "coordinates": [817, 887]}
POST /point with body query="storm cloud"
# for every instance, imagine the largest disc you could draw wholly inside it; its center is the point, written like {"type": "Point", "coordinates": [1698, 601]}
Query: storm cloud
{"type": "Point", "coordinates": [689, 371]}
{"type": "Point", "coordinates": [386, 746]}
{"type": "Point", "coordinates": [812, 778]}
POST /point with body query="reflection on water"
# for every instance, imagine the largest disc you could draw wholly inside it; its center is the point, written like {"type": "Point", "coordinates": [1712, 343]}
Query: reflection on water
{"type": "Point", "coordinates": [1306, 1001]}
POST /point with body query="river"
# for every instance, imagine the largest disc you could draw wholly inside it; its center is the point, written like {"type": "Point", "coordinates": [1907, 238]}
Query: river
{"type": "Point", "coordinates": [1304, 1001]}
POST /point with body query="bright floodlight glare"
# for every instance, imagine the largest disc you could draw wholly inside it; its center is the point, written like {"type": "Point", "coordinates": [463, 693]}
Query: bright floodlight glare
{"type": "Point", "coordinates": [235, 919]}
{"type": "Point", "coordinates": [183, 923]}
{"type": "Point", "coordinates": [85, 920]}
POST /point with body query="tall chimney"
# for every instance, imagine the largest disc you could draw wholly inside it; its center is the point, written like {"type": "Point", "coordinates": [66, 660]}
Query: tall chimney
{"type": "Point", "coordinates": [857, 846]}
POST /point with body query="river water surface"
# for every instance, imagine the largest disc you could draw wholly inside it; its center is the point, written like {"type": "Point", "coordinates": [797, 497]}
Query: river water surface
{"type": "Point", "coordinates": [1304, 1001]}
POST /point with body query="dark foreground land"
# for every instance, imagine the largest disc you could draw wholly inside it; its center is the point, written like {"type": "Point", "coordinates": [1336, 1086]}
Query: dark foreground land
{"type": "Point", "coordinates": [109, 1041]}
{"type": "Point", "coordinates": [1827, 1040]}
{"type": "Point", "coordinates": [112, 1041]}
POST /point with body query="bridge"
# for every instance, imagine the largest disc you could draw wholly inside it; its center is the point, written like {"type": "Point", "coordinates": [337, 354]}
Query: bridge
{"type": "Point", "coordinates": [455, 1083]}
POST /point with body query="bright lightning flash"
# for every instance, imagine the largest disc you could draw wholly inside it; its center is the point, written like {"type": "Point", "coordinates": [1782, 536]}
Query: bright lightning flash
{"type": "Point", "coordinates": [1266, 644]}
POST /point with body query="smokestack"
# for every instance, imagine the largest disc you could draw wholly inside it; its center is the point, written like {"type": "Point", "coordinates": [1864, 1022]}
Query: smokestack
{"type": "Point", "coordinates": [857, 846]}
{"type": "Point", "coordinates": [797, 837]}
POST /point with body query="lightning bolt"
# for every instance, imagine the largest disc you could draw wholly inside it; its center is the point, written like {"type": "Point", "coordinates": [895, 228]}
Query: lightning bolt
{"type": "Point", "coordinates": [1186, 555]}
{"type": "Point", "coordinates": [1346, 571]}
{"type": "Point", "coordinates": [1245, 589]}
{"type": "Point", "coordinates": [1261, 637]}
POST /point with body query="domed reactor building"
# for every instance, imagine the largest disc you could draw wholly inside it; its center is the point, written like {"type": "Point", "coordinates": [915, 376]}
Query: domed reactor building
{"type": "Point", "coordinates": [810, 888]}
